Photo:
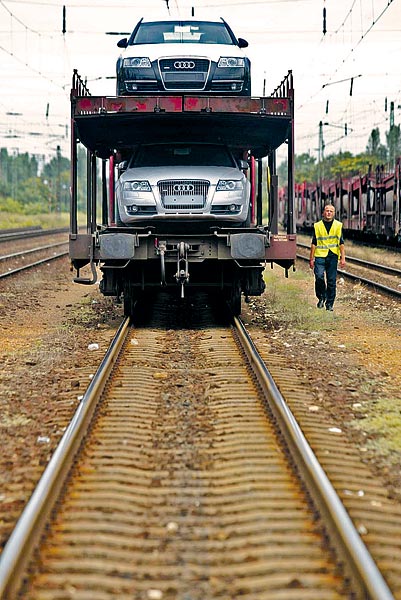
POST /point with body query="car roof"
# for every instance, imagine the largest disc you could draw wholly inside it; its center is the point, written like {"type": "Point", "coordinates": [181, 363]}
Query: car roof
{"type": "Point", "coordinates": [183, 143]}
{"type": "Point", "coordinates": [181, 20]}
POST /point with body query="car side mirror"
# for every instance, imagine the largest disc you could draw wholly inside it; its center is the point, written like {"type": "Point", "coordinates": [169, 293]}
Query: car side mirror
{"type": "Point", "coordinates": [242, 43]}
{"type": "Point", "coordinates": [243, 165]}
{"type": "Point", "coordinates": [122, 166]}
{"type": "Point", "coordinates": [123, 43]}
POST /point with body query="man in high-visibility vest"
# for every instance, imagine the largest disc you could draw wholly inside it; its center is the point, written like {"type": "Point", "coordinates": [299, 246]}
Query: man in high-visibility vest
{"type": "Point", "coordinates": [327, 250]}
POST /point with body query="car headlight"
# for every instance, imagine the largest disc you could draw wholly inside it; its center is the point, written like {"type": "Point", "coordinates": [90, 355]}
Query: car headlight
{"type": "Point", "coordinates": [228, 185]}
{"type": "Point", "coordinates": [137, 186]}
{"type": "Point", "coordinates": [139, 63]}
{"type": "Point", "coordinates": [231, 61]}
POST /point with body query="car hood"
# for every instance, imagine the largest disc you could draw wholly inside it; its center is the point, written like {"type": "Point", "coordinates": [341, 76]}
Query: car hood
{"type": "Point", "coordinates": [155, 51]}
{"type": "Point", "coordinates": [155, 174]}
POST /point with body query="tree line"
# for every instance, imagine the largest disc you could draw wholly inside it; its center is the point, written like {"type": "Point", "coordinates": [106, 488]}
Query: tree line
{"type": "Point", "coordinates": [32, 187]}
{"type": "Point", "coordinates": [345, 164]}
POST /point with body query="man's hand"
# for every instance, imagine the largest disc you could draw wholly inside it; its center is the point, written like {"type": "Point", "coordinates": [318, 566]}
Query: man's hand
{"type": "Point", "coordinates": [311, 263]}
{"type": "Point", "coordinates": [342, 262]}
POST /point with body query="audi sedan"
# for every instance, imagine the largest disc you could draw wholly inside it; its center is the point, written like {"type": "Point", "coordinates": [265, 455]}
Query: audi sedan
{"type": "Point", "coordinates": [183, 182]}
{"type": "Point", "coordinates": [175, 56]}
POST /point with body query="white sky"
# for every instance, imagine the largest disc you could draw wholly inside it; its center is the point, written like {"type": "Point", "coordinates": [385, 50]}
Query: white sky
{"type": "Point", "coordinates": [363, 41]}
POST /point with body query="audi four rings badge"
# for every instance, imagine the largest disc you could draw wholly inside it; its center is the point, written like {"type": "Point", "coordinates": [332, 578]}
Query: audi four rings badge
{"type": "Point", "coordinates": [184, 64]}
{"type": "Point", "coordinates": [183, 187]}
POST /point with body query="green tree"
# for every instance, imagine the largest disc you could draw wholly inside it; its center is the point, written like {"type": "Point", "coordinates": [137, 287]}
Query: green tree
{"type": "Point", "coordinates": [305, 169]}
{"type": "Point", "coordinates": [57, 175]}
{"type": "Point", "coordinates": [35, 196]}
{"type": "Point", "coordinates": [20, 183]}
{"type": "Point", "coordinates": [82, 187]}
{"type": "Point", "coordinates": [374, 148]}
{"type": "Point", "coordinates": [14, 169]}
{"type": "Point", "coordinates": [393, 138]}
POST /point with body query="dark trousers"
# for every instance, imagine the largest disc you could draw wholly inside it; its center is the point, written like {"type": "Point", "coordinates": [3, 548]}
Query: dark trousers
{"type": "Point", "coordinates": [325, 287]}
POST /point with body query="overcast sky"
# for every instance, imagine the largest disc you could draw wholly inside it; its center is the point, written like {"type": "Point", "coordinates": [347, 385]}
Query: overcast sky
{"type": "Point", "coordinates": [363, 42]}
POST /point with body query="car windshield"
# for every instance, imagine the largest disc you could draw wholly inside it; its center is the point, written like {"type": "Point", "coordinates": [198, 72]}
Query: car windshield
{"type": "Point", "coordinates": [182, 32]}
{"type": "Point", "coordinates": [201, 155]}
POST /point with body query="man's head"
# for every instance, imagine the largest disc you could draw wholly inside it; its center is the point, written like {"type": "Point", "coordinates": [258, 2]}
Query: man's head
{"type": "Point", "coordinates": [328, 212]}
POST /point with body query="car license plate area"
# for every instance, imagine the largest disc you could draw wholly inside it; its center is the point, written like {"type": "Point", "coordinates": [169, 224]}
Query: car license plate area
{"type": "Point", "coordinates": [195, 201]}
{"type": "Point", "coordinates": [180, 77]}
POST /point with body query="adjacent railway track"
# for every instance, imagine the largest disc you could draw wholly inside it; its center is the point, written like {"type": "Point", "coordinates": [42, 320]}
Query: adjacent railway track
{"type": "Point", "coordinates": [184, 474]}
{"type": "Point", "coordinates": [22, 251]}
{"type": "Point", "coordinates": [386, 279]}
{"type": "Point", "coordinates": [11, 264]}
{"type": "Point", "coordinates": [7, 235]}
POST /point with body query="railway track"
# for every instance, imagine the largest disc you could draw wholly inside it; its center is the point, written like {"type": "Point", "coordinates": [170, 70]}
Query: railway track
{"type": "Point", "coordinates": [192, 481]}
{"type": "Point", "coordinates": [10, 264]}
{"type": "Point", "coordinates": [22, 253]}
{"type": "Point", "coordinates": [387, 279]}
{"type": "Point", "coordinates": [7, 235]}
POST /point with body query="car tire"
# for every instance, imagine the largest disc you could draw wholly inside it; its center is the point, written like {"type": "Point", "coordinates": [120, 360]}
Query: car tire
{"type": "Point", "coordinates": [119, 223]}
{"type": "Point", "coordinates": [247, 222]}
{"type": "Point", "coordinates": [120, 91]}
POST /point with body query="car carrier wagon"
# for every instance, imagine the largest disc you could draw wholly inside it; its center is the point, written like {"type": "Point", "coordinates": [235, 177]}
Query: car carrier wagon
{"type": "Point", "coordinates": [182, 249]}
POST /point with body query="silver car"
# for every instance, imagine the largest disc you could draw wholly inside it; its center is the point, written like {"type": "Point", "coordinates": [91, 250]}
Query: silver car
{"type": "Point", "coordinates": [175, 56]}
{"type": "Point", "coordinates": [183, 182]}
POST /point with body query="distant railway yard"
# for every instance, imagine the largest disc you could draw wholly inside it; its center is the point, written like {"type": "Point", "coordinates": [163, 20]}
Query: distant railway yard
{"type": "Point", "coordinates": [186, 450]}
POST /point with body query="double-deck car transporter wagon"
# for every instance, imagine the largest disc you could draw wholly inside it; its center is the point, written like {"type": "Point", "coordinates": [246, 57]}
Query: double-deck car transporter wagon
{"type": "Point", "coordinates": [173, 232]}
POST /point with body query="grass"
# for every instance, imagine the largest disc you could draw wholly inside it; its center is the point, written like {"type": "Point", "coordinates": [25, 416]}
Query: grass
{"type": "Point", "coordinates": [292, 300]}
{"type": "Point", "coordinates": [383, 420]}
{"type": "Point", "coordinates": [291, 303]}
{"type": "Point", "coordinates": [46, 220]}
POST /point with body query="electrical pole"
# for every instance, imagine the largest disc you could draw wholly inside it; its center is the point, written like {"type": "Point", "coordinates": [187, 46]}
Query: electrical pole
{"type": "Point", "coordinates": [320, 163]}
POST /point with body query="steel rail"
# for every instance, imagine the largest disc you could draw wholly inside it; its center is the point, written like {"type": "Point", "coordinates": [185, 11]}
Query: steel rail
{"type": "Point", "coordinates": [364, 263]}
{"type": "Point", "coordinates": [20, 229]}
{"type": "Point", "coordinates": [32, 250]}
{"type": "Point", "coordinates": [28, 530]}
{"type": "Point", "coordinates": [359, 564]}
{"type": "Point", "coordinates": [375, 266]}
{"type": "Point", "coordinates": [369, 282]}
{"type": "Point", "coordinates": [35, 264]}
{"type": "Point", "coordinates": [28, 233]}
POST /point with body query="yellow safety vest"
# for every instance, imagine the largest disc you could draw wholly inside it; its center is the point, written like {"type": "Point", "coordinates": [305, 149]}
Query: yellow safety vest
{"type": "Point", "coordinates": [327, 241]}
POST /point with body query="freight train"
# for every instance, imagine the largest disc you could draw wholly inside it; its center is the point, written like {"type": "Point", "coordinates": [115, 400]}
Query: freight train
{"type": "Point", "coordinates": [181, 192]}
{"type": "Point", "coordinates": [368, 205]}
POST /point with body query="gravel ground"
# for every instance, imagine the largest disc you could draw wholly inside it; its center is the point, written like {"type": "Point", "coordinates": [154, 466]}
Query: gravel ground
{"type": "Point", "coordinates": [350, 360]}
{"type": "Point", "coordinates": [47, 324]}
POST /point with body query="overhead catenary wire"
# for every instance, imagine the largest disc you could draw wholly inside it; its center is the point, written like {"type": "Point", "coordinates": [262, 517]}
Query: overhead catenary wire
{"type": "Point", "coordinates": [345, 19]}
{"type": "Point", "coordinates": [25, 128]}
{"type": "Point", "coordinates": [263, 31]}
{"type": "Point", "coordinates": [18, 20]}
{"type": "Point", "coordinates": [364, 35]}
{"type": "Point", "coordinates": [28, 66]}
{"type": "Point", "coordinates": [330, 81]}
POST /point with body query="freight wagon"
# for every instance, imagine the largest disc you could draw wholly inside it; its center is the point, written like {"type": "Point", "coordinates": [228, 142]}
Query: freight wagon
{"type": "Point", "coordinates": [181, 192]}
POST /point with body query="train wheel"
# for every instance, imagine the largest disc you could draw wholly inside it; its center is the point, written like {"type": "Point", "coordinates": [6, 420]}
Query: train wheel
{"type": "Point", "coordinates": [129, 304]}
{"type": "Point", "coordinates": [234, 298]}
{"type": "Point", "coordinates": [129, 300]}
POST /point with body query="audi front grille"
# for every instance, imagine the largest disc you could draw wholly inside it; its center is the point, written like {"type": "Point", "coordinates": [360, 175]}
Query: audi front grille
{"type": "Point", "coordinates": [184, 73]}
{"type": "Point", "coordinates": [183, 194]}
